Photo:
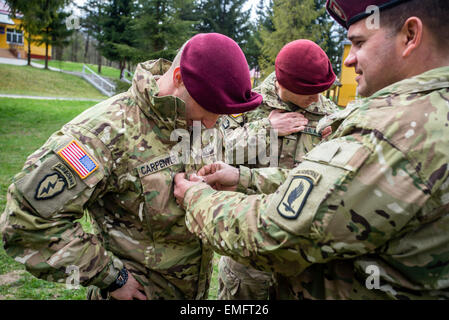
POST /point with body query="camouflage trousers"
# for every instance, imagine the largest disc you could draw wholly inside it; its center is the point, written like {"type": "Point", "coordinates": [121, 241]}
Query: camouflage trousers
{"type": "Point", "coordinates": [239, 282]}
{"type": "Point", "coordinates": [154, 285]}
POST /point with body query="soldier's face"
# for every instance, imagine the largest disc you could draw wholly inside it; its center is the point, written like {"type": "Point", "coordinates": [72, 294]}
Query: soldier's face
{"type": "Point", "coordinates": [298, 99]}
{"type": "Point", "coordinates": [374, 56]}
{"type": "Point", "coordinates": [194, 112]}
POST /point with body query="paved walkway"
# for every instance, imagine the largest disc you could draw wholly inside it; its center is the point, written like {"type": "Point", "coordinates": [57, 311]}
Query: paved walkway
{"type": "Point", "coordinates": [16, 62]}
{"type": "Point", "coordinates": [22, 62]}
{"type": "Point", "coordinates": [18, 96]}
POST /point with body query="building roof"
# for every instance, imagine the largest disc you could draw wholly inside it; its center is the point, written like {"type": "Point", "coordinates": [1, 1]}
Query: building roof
{"type": "Point", "coordinates": [5, 9]}
{"type": "Point", "coordinates": [5, 19]}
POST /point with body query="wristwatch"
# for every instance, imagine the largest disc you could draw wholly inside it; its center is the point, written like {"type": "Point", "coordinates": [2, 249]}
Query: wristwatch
{"type": "Point", "coordinates": [119, 282]}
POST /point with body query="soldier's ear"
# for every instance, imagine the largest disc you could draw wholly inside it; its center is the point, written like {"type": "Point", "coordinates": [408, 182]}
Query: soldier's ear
{"type": "Point", "coordinates": [177, 78]}
{"type": "Point", "coordinates": [411, 35]}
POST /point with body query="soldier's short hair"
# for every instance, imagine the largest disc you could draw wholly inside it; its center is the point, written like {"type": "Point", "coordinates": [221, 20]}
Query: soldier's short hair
{"type": "Point", "coordinates": [433, 13]}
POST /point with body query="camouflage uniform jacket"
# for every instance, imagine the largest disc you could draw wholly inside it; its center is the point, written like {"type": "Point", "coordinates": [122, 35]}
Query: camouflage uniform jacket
{"type": "Point", "coordinates": [237, 129]}
{"type": "Point", "coordinates": [364, 216]}
{"type": "Point", "coordinates": [128, 191]}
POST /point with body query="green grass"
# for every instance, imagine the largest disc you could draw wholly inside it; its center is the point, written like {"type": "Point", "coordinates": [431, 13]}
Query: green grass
{"type": "Point", "coordinates": [78, 67]}
{"type": "Point", "coordinates": [26, 80]}
{"type": "Point", "coordinates": [24, 126]}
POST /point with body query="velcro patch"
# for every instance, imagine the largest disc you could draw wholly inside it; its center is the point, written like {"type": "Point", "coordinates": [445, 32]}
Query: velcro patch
{"type": "Point", "coordinates": [158, 164]}
{"type": "Point", "coordinates": [78, 159]}
{"type": "Point", "coordinates": [297, 192]}
{"type": "Point", "coordinates": [50, 186]}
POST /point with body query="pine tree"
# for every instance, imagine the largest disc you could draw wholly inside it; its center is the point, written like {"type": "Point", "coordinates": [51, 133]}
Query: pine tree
{"type": "Point", "coordinates": [161, 27]}
{"type": "Point", "coordinates": [292, 20]}
{"type": "Point", "coordinates": [53, 30]}
{"type": "Point", "coordinates": [227, 17]}
{"type": "Point", "coordinates": [116, 36]}
{"type": "Point", "coordinates": [92, 22]}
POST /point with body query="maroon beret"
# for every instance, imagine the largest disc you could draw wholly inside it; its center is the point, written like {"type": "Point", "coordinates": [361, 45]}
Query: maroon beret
{"type": "Point", "coordinates": [303, 67]}
{"type": "Point", "coordinates": [347, 12]}
{"type": "Point", "coordinates": [216, 75]}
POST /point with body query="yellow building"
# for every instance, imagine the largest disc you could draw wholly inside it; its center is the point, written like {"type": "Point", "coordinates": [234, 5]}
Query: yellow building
{"type": "Point", "coordinates": [348, 89]}
{"type": "Point", "coordinates": [13, 41]}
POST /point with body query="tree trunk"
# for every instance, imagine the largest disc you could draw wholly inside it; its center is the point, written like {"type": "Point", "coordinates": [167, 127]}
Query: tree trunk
{"type": "Point", "coordinates": [99, 61]}
{"type": "Point", "coordinates": [122, 68]}
{"type": "Point", "coordinates": [46, 51]}
{"type": "Point", "coordinates": [29, 51]}
{"type": "Point", "coordinates": [76, 46]}
{"type": "Point", "coordinates": [86, 48]}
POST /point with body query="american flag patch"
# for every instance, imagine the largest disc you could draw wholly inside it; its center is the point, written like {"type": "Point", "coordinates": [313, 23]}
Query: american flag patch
{"type": "Point", "coordinates": [78, 159]}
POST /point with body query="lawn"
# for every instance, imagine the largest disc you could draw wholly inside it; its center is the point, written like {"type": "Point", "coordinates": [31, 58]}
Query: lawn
{"type": "Point", "coordinates": [26, 80]}
{"type": "Point", "coordinates": [78, 66]}
{"type": "Point", "coordinates": [24, 126]}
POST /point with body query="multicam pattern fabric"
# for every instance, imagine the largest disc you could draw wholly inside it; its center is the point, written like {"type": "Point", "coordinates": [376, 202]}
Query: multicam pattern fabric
{"type": "Point", "coordinates": [364, 216]}
{"type": "Point", "coordinates": [129, 197]}
{"type": "Point", "coordinates": [235, 280]}
{"type": "Point", "coordinates": [292, 148]}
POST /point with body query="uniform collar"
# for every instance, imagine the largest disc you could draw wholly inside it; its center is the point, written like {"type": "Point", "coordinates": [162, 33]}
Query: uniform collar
{"type": "Point", "coordinates": [166, 111]}
{"type": "Point", "coordinates": [428, 81]}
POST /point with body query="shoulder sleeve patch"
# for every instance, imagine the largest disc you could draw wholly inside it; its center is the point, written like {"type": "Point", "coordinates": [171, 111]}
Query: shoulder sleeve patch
{"type": "Point", "coordinates": [295, 197]}
{"type": "Point", "coordinates": [78, 159]}
{"type": "Point", "coordinates": [296, 203]}
{"type": "Point", "coordinates": [50, 186]}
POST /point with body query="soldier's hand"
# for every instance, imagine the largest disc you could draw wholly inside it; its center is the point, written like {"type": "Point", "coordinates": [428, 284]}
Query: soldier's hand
{"type": "Point", "coordinates": [182, 185]}
{"type": "Point", "coordinates": [220, 176]}
{"type": "Point", "coordinates": [287, 122]}
{"type": "Point", "coordinates": [130, 290]}
{"type": "Point", "coordinates": [326, 132]}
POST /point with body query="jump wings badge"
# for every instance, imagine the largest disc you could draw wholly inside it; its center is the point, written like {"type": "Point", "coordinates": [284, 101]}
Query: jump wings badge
{"type": "Point", "coordinates": [296, 195]}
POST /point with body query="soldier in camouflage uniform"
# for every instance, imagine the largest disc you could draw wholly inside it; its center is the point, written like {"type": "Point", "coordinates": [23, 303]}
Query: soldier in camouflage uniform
{"type": "Point", "coordinates": [304, 57]}
{"type": "Point", "coordinates": [365, 215]}
{"type": "Point", "coordinates": [114, 162]}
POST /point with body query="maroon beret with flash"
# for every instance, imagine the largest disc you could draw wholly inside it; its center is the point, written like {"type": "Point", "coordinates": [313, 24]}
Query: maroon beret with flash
{"type": "Point", "coordinates": [303, 67]}
{"type": "Point", "coordinates": [347, 12]}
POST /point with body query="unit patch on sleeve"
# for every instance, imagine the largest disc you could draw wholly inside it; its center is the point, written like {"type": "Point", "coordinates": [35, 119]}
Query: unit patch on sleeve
{"type": "Point", "coordinates": [50, 186]}
{"type": "Point", "coordinates": [297, 192]}
{"type": "Point", "coordinates": [78, 159]}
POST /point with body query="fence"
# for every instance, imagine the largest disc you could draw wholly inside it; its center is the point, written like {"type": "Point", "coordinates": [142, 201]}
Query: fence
{"type": "Point", "coordinates": [98, 82]}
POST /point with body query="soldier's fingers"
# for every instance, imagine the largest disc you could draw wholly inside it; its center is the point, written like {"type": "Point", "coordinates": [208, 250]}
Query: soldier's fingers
{"type": "Point", "coordinates": [204, 170]}
{"type": "Point", "coordinates": [212, 179]}
{"type": "Point", "coordinates": [139, 295]}
{"type": "Point", "coordinates": [299, 122]}
{"type": "Point", "coordinates": [296, 129]}
{"type": "Point", "coordinates": [179, 177]}
{"type": "Point", "coordinates": [193, 177]}
{"type": "Point", "coordinates": [276, 111]}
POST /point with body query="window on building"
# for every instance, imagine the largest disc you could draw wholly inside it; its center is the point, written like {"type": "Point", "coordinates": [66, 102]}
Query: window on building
{"type": "Point", "coordinates": [14, 36]}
